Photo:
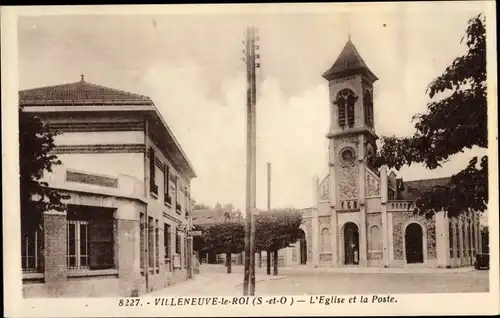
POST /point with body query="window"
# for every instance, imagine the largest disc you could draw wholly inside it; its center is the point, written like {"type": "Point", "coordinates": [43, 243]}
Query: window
{"type": "Point", "coordinates": [166, 240]}
{"type": "Point", "coordinates": [177, 200]}
{"type": "Point", "coordinates": [375, 239]}
{"type": "Point", "coordinates": [345, 102]}
{"type": "Point", "coordinates": [152, 172]}
{"type": "Point", "coordinates": [325, 240]}
{"type": "Point", "coordinates": [177, 242]}
{"type": "Point", "coordinates": [347, 155]}
{"type": "Point", "coordinates": [90, 238]}
{"type": "Point", "coordinates": [143, 240]}
{"type": "Point", "coordinates": [151, 243]}
{"type": "Point", "coordinates": [168, 198]}
{"type": "Point", "coordinates": [77, 245]}
{"type": "Point", "coordinates": [31, 251]}
{"type": "Point", "coordinates": [368, 104]}
{"type": "Point", "coordinates": [157, 245]}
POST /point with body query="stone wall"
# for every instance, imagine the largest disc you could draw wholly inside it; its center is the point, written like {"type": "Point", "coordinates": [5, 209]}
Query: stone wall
{"type": "Point", "coordinates": [399, 219]}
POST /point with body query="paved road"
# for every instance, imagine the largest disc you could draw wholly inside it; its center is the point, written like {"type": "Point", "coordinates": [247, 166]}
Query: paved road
{"type": "Point", "coordinates": [213, 281]}
{"type": "Point", "coordinates": [300, 283]}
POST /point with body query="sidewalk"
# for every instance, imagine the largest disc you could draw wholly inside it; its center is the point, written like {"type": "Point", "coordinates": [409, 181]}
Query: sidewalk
{"type": "Point", "coordinates": [410, 269]}
{"type": "Point", "coordinates": [209, 283]}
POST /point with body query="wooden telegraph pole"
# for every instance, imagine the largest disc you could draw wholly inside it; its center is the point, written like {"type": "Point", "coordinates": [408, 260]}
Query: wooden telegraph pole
{"type": "Point", "coordinates": [250, 60]}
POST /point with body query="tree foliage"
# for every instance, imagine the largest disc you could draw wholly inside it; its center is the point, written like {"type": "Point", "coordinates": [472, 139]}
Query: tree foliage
{"type": "Point", "coordinates": [36, 141]}
{"type": "Point", "coordinates": [223, 237]}
{"type": "Point", "coordinates": [277, 229]}
{"type": "Point", "coordinates": [450, 125]}
{"type": "Point", "coordinates": [274, 230]}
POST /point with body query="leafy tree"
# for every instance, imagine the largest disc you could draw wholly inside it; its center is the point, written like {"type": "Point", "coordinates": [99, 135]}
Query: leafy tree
{"type": "Point", "coordinates": [225, 237]}
{"type": "Point", "coordinates": [456, 122]}
{"type": "Point", "coordinates": [276, 230]}
{"type": "Point", "coordinates": [36, 140]}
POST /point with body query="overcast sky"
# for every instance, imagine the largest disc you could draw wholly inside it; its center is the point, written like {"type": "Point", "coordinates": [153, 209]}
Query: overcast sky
{"type": "Point", "coordinates": [191, 66]}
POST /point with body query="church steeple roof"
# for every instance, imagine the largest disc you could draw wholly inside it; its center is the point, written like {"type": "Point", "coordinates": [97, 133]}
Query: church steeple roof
{"type": "Point", "coordinates": [349, 62]}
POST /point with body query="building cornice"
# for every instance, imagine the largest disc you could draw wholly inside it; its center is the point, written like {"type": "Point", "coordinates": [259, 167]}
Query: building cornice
{"type": "Point", "coordinates": [98, 148]}
{"type": "Point", "coordinates": [352, 131]}
{"type": "Point", "coordinates": [96, 126]}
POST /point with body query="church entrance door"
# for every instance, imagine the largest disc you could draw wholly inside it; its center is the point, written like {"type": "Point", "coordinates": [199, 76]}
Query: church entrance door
{"type": "Point", "coordinates": [414, 243]}
{"type": "Point", "coordinates": [351, 244]}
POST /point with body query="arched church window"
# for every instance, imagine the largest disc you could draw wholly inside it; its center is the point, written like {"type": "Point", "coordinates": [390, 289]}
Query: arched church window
{"type": "Point", "coordinates": [375, 238]}
{"type": "Point", "coordinates": [368, 106]}
{"type": "Point", "coordinates": [325, 240]}
{"type": "Point", "coordinates": [345, 103]}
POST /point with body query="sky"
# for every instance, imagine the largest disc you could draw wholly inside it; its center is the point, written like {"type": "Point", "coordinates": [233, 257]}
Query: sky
{"type": "Point", "coordinates": [190, 65]}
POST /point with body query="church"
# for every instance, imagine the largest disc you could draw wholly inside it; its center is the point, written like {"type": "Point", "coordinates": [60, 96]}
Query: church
{"type": "Point", "coordinates": [361, 215]}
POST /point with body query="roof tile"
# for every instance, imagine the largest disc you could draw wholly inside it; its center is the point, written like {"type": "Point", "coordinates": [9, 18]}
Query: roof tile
{"type": "Point", "coordinates": [349, 60]}
{"type": "Point", "coordinates": [79, 93]}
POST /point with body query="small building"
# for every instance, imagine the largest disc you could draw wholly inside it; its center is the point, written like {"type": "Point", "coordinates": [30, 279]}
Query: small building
{"type": "Point", "coordinates": [128, 180]}
{"type": "Point", "coordinates": [362, 215]}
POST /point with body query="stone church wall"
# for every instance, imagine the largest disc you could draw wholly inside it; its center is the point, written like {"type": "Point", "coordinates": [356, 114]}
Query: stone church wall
{"type": "Point", "coordinates": [399, 219]}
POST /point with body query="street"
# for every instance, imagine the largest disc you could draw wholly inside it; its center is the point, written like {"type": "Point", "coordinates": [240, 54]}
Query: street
{"type": "Point", "coordinates": [212, 280]}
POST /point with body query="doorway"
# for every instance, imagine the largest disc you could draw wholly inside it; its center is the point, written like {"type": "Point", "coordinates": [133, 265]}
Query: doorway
{"type": "Point", "coordinates": [302, 248]}
{"type": "Point", "coordinates": [351, 244]}
{"type": "Point", "coordinates": [414, 244]}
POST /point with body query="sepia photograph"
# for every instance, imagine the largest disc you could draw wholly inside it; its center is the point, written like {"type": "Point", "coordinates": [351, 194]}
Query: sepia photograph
{"type": "Point", "coordinates": [325, 154]}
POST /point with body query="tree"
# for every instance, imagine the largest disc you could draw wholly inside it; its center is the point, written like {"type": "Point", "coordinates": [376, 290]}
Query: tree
{"type": "Point", "coordinates": [225, 237]}
{"type": "Point", "coordinates": [276, 230]}
{"type": "Point", "coordinates": [36, 141]}
{"type": "Point", "coordinates": [456, 122]}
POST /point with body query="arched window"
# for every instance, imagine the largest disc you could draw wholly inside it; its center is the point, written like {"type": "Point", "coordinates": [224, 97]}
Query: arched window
{"type": "Point", "coordinates": [375, 239]}
{"type": "Point", "coordinates": [345, 103]}
{"type": "Point", "coordinates": [325, 240]}
{"type": "Point", "coordinates": [368, 106]}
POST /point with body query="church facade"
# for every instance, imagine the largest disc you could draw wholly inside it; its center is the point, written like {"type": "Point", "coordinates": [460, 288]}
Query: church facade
{"type": "Point", "coordinates": [361, 215]}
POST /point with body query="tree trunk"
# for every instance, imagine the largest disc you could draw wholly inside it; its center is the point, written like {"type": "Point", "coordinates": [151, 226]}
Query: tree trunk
{"type": "Point", "coordinates": [275, 254]}
{"type": "Point", "coordinates": [228, 262]}
{"type": "Point", "coordinates": [268, 261]}
{"type": "Point", "coordinates": [260, 259]}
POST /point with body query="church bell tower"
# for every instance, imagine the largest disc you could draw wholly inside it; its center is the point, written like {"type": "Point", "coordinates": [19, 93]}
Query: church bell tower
{"type": "Point", "coordinates": [352, 144]}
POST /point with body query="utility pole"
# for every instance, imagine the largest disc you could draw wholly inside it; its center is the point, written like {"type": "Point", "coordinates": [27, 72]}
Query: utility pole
{"type": "Point", "coordinates": [250, 60]}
